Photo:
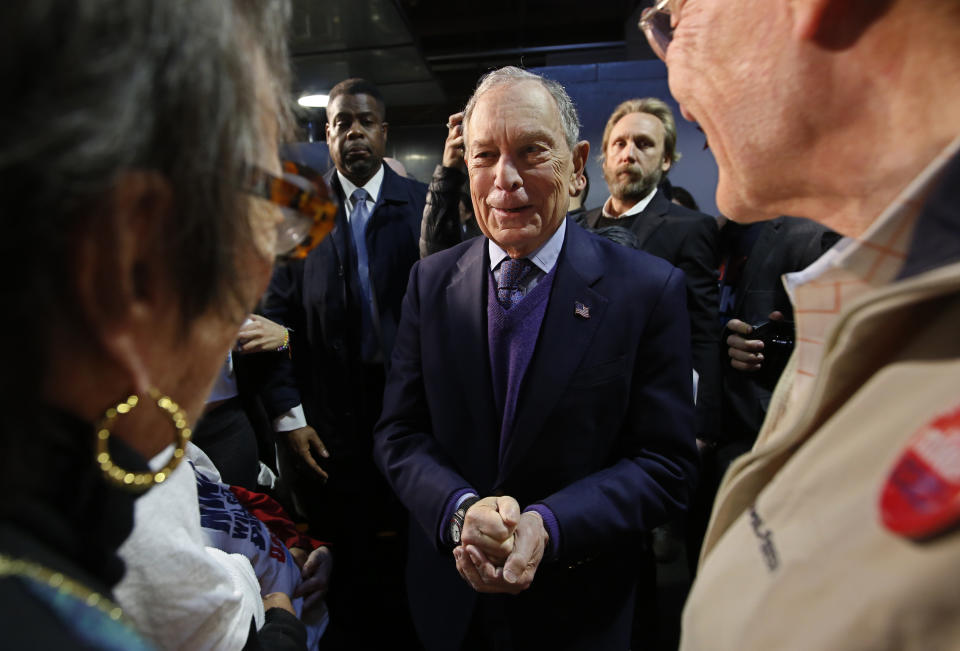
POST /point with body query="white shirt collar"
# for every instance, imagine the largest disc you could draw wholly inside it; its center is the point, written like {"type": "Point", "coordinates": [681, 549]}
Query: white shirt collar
{"type": "Point", "coordinates": [634, 209]}
{"type": "Point", "coordinates": [372, 187]}
{"type": "Point", "coordinates": [544, 258]}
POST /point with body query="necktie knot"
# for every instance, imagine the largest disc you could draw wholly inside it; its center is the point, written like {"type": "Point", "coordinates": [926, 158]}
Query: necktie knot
{"type": "Point", "coordinates": [359, 196]}
{"type": "Point", "coordinates": [512, 272]}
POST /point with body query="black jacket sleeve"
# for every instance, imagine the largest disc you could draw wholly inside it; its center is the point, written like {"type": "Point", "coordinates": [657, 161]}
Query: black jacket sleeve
{"type": "Point", "coordinates": [440, 228]}
{"type": "Point", "coordinates": [281, 632]}
{"type": "Point", "coordinates": [699, 260]}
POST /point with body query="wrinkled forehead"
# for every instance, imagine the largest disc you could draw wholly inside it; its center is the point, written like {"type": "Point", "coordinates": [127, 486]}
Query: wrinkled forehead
{"type": "Point", "coordinates": [518, 109]}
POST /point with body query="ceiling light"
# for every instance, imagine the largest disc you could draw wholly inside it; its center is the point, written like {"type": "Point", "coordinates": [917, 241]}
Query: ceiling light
{"type": "Point", "coordinates": [313, 101]}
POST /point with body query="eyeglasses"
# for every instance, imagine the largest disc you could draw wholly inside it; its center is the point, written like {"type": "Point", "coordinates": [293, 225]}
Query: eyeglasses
{"type": "Point", "coordinates": [658, 22]}
{"type": "Point", "coordinates": [307, 204]}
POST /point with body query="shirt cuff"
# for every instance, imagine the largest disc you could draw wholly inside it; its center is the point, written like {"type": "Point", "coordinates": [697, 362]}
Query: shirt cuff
{"type": "Point", "coordinates": [290, 420]}
{"type": "Point", "coordinates": [452, 505]}
{"type": "Point", "coordinates": [552, 527]}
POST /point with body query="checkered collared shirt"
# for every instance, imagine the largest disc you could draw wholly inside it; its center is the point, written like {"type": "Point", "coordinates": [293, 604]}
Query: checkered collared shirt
{"type": "Point", "coordinates": [851, 269]}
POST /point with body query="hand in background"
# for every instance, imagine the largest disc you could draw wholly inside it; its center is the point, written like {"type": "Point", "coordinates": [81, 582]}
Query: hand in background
{"type": "Point", "coordinates": [260, 335]}
{"type": "Point", "coordinates": [453, 147]}
{"type": "Point", "coordinates": [314, 575]}
{"type": "Point", "coordinates": [278, 600]}
{"type": "Point", "coordinates": [304, 441]}
{"type": "Point", "coordinates": [746, 354]}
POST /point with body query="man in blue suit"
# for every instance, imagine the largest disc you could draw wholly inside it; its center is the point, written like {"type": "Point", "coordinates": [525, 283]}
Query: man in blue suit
{"type": "Point", "coordinates": [538, 414]}
{"type": "Point", "coordinates": [342, 304]}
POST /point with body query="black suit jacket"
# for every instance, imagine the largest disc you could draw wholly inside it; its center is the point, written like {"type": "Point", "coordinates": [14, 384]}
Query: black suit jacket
{"type": "Point", "coordinates": [784, 245]}
{"type": "Point", "coordinates": [265, 384]}
{"type": "Point", "coordinates": [319, 298]}
{"type": "Point", "coordinates": [689, 240]}
{"type": "Point", "coordinates": [603, 434]}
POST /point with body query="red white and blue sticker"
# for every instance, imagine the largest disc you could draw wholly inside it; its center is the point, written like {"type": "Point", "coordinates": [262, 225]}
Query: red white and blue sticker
{"type": "Point", "coordinates": [921, 497]}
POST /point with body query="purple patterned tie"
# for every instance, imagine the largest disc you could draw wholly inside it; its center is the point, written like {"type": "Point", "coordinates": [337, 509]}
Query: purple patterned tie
{"type": "Point", "coordinates": [512, 272]}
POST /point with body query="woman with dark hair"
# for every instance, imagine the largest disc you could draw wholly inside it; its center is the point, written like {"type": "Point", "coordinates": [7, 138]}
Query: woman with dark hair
{"type": "Point", "coordinates": [136, 142]}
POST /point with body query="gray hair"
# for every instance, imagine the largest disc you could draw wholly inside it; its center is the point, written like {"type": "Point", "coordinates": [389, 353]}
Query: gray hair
{"type": "Point", "coordinates": [96, 88]}
{"type": "Point", "coordinates": [511, 75]}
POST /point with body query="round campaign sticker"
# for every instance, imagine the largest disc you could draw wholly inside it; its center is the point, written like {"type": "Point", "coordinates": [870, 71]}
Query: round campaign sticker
{"type": "Point", "coordinates": [921, 497]}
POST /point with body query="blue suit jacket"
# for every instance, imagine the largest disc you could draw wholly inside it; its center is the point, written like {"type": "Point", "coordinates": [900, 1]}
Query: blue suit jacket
{"type": "Point", "coordinates": [688, 239]}
{"type": "Point", "coordinates": [603, 435]}
{"type": "Point", "coordinates": [319, 299]}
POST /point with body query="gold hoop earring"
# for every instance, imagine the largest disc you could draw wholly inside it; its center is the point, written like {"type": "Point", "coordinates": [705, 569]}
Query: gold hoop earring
{"type": "Point", "coordinates": [140, 481]}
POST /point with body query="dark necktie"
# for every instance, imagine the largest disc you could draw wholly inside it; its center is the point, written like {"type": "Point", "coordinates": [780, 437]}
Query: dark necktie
{"type": "Point", "coordinates": [512, 271]}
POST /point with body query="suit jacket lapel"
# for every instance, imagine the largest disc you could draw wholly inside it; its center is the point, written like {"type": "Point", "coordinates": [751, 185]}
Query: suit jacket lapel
{"type": "Point", "coordinates": [391, 192]}
{"type": "Point", "coordinates": [651, 218]}
{"type": "Point", "coordinates": [467, 348]}
{"type": "Point", "coordinates": [593, 216]}
{"type": "Point", "coordinates": [392, 188]}
{"type": "Point", "coordinates": [565, 336]}
{"type": "Point", "coordinates": [338, 236]}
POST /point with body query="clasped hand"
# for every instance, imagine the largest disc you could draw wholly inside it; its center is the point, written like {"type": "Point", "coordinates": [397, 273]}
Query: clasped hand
{"type": "Point", "coordinates": [500, 547]}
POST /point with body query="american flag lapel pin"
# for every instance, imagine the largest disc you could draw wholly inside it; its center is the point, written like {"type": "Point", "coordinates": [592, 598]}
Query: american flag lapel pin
{"type": "Point", "coordinates": [581, 310]}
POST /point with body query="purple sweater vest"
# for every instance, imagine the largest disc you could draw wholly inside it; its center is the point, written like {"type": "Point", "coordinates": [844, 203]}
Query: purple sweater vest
{"type": "Point", "coordinates": [512, 335]}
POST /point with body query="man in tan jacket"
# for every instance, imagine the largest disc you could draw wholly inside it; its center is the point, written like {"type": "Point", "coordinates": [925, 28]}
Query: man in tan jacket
{"type": "Point", "coordinates": [839, 530]}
